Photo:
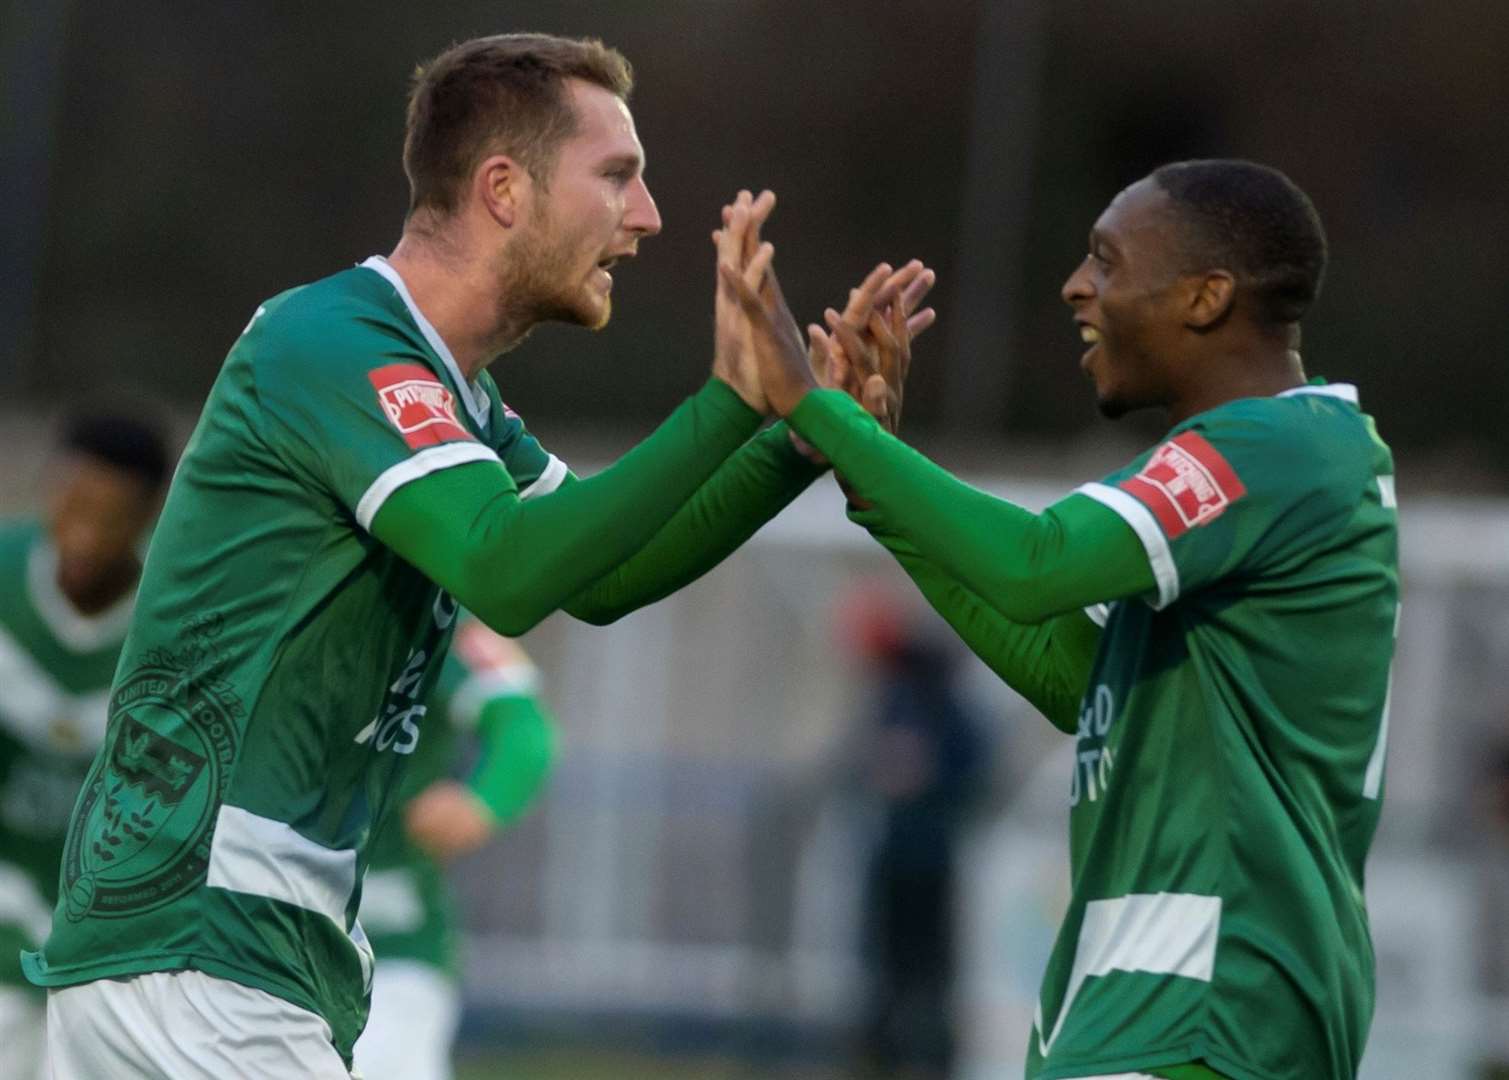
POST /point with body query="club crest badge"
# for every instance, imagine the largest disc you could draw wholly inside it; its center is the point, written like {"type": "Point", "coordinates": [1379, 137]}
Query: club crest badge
{"type": "Point", "coordinates": [141, 834]}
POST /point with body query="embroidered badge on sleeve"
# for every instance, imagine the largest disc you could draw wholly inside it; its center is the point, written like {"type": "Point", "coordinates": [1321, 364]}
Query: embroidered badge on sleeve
{"type": "Point", "coordinates": [418, 405]}
{"type": "Point", "coordinates": [1186, 483]}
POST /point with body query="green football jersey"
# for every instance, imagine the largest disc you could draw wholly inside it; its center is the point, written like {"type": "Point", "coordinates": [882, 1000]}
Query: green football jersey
{"type": "Point", "coordinates": [55, 672]}
{"type": "Point", "coordinates": [275, 676]}
{"type": "Point", "coordinates": [1230, 749]}
{"type": "Point", "coordinates": [406, 906]}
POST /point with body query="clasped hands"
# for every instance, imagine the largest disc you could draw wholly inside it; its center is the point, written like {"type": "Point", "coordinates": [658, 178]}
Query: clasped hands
{"type": "Point", "coordinates": [865, 350]}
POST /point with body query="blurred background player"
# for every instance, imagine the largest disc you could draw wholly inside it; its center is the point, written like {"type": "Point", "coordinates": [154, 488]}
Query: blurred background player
{"type": "Point", "coordinates": [488, 686]}
{"type": "Point", "coordinates": [922, 762]}
{"type": "Point", "coordinates": [67, 583]}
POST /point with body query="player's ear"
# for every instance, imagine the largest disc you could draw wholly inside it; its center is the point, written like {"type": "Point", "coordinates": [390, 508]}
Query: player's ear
{"type": "Point", "coordinates": [1210, 299]}
{"type": "Point", "coordinates": [502, 186]}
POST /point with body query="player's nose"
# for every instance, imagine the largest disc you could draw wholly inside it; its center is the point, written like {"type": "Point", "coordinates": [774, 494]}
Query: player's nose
{"type": "Point", "coordinates": [641, 215]}
{"type": "Point", "coordinates": [1077, 289]}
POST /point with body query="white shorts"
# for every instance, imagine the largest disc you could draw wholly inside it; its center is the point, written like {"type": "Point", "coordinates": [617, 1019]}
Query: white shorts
{"type": "Point", "coordinates": [185, 1025]}
{"type": "Point", "coordinates": [23, 1033]}
{"type": "Point", "coordinates": [415, 1011]}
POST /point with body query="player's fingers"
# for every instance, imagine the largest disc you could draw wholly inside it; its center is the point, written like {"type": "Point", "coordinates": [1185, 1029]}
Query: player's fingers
{"type": "Point", "coordinates": [835, 362]}
{"type": "Point", "coordinates": [860, 358]}
{"type": "Point", "coordinates": [754, 270]}
{"type": "Point", "coordinates": [760, 208]}
{"type": "Point", "coordinates": [862, 299]}
{"type": "Point", "coordinates": [818, 359]}
{"type": "Point", "coordinates": [898, 281]}
{"type": "Point", "coordinates": [748, 299]}
{"type": "Point", "coordinates": [749, 235]}
{"type": "Point", "coordinates": [876, 398]}
{"type": "Point", "coordinates": [735, 232]}
{"type": "Point", "coordinates": [887, 348]}
{"type": "Point", "coordinates": [902, 335]}
{"type": "Point", "coordinates": [916, 289]}
{"type": "Point", "coordinates": [759, 211]}
{"type": "Point", "coordinates": [921, 321]}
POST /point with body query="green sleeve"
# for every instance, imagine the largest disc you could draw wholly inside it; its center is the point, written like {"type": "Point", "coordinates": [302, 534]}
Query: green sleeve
{"type": "Point", "coordinates": [1027, 567]}
{"type": "Point", "coordinates": [513, 562]}
{"type": "Point", "coordinates": [749, 489]}
{"type": "Point", "coordinates": [1047, 663]}
{"type": "Point", "coordinates": [518, 747]}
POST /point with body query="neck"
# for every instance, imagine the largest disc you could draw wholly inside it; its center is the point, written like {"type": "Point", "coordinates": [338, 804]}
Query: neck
{"type": "Point", "coordinates": [1258, 371]}
{"type": "Point", "coordinates": [459, 292]}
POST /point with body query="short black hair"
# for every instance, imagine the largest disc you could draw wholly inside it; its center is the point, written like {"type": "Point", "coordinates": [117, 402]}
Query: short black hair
{"type": "Point", "coordinates": [125, 442]}
{"type": "Point", "coordinates": [1253, 220]}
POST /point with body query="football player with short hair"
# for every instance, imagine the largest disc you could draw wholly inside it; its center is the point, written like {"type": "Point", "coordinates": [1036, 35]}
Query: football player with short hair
{"type": "Point", "coordinates": [1213, 624]}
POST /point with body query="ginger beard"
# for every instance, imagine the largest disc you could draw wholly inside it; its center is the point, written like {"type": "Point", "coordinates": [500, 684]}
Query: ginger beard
{"type": "Point", "coordinates": [554, 273]}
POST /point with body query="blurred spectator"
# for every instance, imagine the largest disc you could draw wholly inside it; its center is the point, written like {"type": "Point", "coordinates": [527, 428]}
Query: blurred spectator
{"type": "Point", "coordinates": [1495, 863]}
{"type": "Point", "coordinates": [67, 583]}
{"type": "Point", "coordinates": [922, 759]}
{"type": "Point", "coordinates": [1494, 870]}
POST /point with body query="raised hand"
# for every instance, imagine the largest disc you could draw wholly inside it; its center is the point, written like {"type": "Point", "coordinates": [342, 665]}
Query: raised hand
{"type": "Point", "coordinates": [772, 335]}
{"type": "Point", "coordinates": [866, 350]}
{"type": "Point", "coordinates": [736, 242]}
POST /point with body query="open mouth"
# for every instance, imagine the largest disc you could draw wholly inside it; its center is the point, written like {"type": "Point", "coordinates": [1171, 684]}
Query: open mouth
{"type": "Point", "coordinates": [1090, 335]}
{"type": "Point", "coordinates": [601, 277]}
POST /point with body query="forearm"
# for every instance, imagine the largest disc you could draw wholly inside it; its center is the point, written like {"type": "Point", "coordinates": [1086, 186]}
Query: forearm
{"type": "Point", "coordinates": [518, 749]}
{"type": "Point", "coordinates": [511, 562]}
{"type": "Point", "coordinates": [1026, 566]}
{"type": "Point", "coordinates": [749, 488]}
{"type": "Point", "coordinates": [1048, 663]}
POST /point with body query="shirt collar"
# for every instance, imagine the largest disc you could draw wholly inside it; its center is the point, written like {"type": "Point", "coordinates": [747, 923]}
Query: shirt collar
{"type": "Point", "coordinates": [475, 398]}
{"type": "Point", "coordinates": [1344, 391]}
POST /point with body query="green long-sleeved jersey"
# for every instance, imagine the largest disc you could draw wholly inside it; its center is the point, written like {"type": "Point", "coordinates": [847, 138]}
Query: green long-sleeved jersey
{"type": "Point", "coordinates": [345, 490]}
{"type": "Point", "coordinates": [1230, 717]}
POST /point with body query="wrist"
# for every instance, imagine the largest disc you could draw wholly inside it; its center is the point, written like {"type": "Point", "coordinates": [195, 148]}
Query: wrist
{"type": "Point", "coordinates": [791, 397]}
{"type": "Point", "coordinates": [727, 398]}
{"type": "Point", "coordinates": [750, 399]}
{"type": "Point", "coordinates": [806, 449]}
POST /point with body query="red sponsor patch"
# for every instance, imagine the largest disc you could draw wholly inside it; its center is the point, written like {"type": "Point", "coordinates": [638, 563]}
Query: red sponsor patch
{"type": "Point", "coordinates": [1186, 483]}
{"type": "Point", "coordinates": [418, 404]}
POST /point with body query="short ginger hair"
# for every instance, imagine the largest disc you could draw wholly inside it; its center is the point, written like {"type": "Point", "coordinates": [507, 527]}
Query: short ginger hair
{"type": "Point", "coordinates": [504, 94]}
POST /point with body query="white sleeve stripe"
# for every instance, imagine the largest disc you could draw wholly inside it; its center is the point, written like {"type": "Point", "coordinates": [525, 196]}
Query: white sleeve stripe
{"type": "Point", "coordinates": [548, 481]}
{"type": "Point", "coordinates": [1141, 519]}
{"type": "Point", "coordinates": [423, 463]}
{"type": "Point", "coordinates": [1099, 614]}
